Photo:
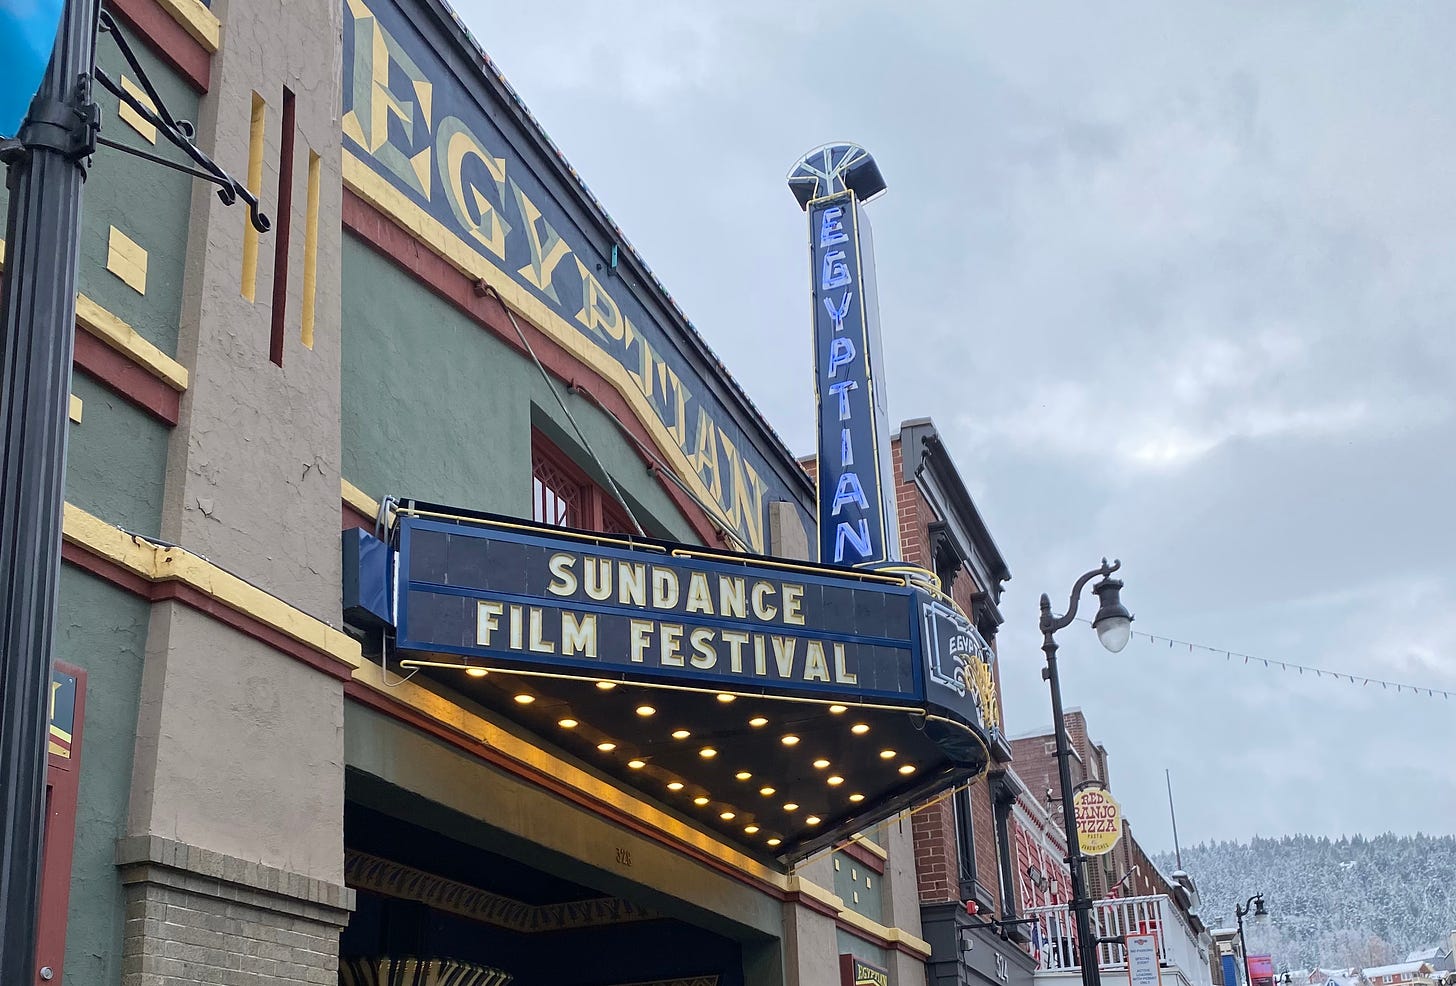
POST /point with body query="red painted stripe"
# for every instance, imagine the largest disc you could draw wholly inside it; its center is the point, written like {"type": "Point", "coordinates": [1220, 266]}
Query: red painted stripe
{"type": "Point", "coordinates": [167, 39]}
{"type": "Point", "coordinates": [127, 379]}
{"type": "Point", "coordinates": [156, 592]}
{"type": "Point", "coordinates": [863, 856]}
{"type": "Point", "coordinates": [414, 258]}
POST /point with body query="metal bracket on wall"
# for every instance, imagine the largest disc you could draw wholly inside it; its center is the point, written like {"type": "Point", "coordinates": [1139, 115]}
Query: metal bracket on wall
{"type": "Point", "coordinates": [179, 132]}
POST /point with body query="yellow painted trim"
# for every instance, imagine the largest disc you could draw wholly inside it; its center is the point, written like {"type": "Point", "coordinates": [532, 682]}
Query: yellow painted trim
{"type": "Point", "coordinates": [158, 564]}
{"type": "Point", "coordinates": [130, 116]}
{"type": "Point", "coordinates": [481, 730]}
{"type": "Point", "coordinates": [310, 250]}
{"type": "Point", "coordinates": [127, 259]}
{"type": "Point", "coordinates": [429, 231]}
{"type": "Point", "coordinates": [869, 845]}
{"type": "Point", "coordinates": [197, 20]}
{"type": "Point", "coordinates": [127, 341]}
{"type": "Point", "coordinates": [257, 130]}
{"type": "Point", "coordinates": [359, 500]}
{"type": "Point", "coordinates": [75, 409]}
{"type": "Point", "coordinates": [124, 339]}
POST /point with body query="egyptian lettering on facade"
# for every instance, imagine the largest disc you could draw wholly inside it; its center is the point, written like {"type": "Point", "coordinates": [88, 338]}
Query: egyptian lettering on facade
{"type": "Point", "coordinates": [421, 131]}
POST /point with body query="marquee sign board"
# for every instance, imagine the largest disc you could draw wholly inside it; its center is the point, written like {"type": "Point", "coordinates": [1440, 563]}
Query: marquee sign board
{"type": "Point", "coordinates": [855, 478]}
{"type": "Point", "coordinates": [538, 599]}
{"type": "Point", "coordinates": [432, 138]}
{"type": "Point", "coordinates": [1099, 820]}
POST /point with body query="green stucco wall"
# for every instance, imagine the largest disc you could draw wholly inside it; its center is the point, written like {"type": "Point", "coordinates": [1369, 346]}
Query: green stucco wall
{"type": "Point", "coordinates": [149, 203]}
{"type": "Point", "coordinates": [103, 630]}
{"type": "Point", "coordinates": [858, 886]}
{"type": "Point", "coordinates": [437, 408]}
{"type": "Point", "coordinates": [116, 459]}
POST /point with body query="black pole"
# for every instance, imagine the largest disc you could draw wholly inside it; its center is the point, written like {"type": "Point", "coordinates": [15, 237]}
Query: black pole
{"type": "Point", "coordinates": [46, 171]}
{"type": "Point", "coordinates": [1243, 949]}
{"type": "Point", "coordinates": [1081, 902]}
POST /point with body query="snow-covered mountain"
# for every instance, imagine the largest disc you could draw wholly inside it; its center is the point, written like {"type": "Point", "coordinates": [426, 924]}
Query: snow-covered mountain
{"type": "Point", "coordinates": [1344, 902]}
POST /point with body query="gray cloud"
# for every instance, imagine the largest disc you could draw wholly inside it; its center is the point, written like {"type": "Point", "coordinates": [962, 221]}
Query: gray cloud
{"type": "Point", "coordinates": [1176, 283]}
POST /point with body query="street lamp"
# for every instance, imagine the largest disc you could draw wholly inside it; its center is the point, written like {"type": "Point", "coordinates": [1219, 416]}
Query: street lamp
{"type": "Point", "coordinates": [1261, 918]}
{"type": "Point", "coordinates": [1113, 624]}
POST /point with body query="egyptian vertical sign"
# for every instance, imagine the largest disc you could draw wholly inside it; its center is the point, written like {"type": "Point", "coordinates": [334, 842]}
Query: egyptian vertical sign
{"type": "Point", "coordinates": [857, 520]}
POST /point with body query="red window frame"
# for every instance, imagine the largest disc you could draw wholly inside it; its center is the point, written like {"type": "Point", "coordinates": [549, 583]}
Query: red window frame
{"type": "Point", "coordinates": [563, 495]}
{"type": "Point", "coordinates": [63, 782]}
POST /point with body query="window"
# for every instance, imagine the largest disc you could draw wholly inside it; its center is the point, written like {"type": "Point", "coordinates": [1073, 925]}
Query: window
{"type": "Point", "coordinates": [965, 831]}
{"type": "Point", "coordinates": [562, 495]}
{"type": "Point", "coordinates": [63, 762]}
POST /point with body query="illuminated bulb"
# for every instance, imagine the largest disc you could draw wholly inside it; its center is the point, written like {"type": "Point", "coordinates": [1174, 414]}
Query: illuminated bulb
{"type": "Point", "coordinates": [789, 740]}
{"type": "Point", "coordinates": [837, 709]}
{"type": "Point", "coordinates": [646, 710]}
{"type": "Point", "coordinates": [606, 747]}
{"type": "Point", "coordinates": [725, 698]}
{"type": "Point", "coordinates": [757, 721]}
{"type": "Point", "coordinates": [700, 801]}
{"type": "Point", "coordinates": [812, 820]}
{"type": "Point", "coordinates": [606, 686]}
{"type": "Point", "coordinates": [567, 723]}
{"type": "Point", "coordinates": [675, 786]}
{"type": "Point", "coordinates": [856, 798]}
{"type": "Point", "coordinates": [680, 734]}
{"type": "Point", "coordinates": [765, 791]}
{"type": "Point", "coordinates": [743, 775]}
{"type": "Point", "coordinates": [636, 764]}
{"type": "Point", "coordinates": [707, 753]}
{"type": "Point", "coordinates": [774, 842]}
{"type": "Point", "coordinates": [790, 806]}
{"type": "Point", "coordinates": [859, 729]}
{"type": "Point", "coordinates": [836, 781]}
{"type": "Point", "coordinates": [525, 699]}
{"type": "Point", "coordinates": [750, 829]}
{"type": "Point", "coordinates": [477, 672]}
{"type": "Point", "coordinates": [887, 754]}
{"type": "Point", "coordinates": [907, 769]}
{"type": "Point", "coordinates": [820, 764]}
{"type": "Point", "coordinates": [727, 816]}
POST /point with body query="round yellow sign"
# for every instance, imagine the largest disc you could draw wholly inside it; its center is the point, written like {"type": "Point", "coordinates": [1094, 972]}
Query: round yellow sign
{"type": "Point", "coordinates": [1099, 820]}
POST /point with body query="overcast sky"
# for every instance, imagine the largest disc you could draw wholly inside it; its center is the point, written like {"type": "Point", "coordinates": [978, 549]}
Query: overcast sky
{"type": "Point", "coordinates": [1177, 284]}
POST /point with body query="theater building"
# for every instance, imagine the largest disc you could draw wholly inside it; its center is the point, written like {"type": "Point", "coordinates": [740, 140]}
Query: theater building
{"type": "Point", "coordinates": [435, 608]}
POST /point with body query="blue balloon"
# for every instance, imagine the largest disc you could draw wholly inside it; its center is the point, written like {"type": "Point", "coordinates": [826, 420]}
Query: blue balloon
{"type": "Point", "coordinates": [27, 35]}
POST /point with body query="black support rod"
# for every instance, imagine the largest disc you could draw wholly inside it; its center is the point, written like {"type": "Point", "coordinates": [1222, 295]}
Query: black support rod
{"type": "Point", "coordinates": [46, 171]}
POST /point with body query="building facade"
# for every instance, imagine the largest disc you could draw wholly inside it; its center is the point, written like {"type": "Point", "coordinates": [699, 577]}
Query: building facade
{"type": "Point", "coordinates": [246, 783]}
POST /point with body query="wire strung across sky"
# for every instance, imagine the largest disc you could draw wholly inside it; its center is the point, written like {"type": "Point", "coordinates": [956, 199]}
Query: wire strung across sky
{"type": "Point", "coordinates": [1343, 676]}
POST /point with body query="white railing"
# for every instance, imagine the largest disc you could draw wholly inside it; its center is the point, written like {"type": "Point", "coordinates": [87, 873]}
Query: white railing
{"type": "Point", "coordinates": [1178, 947]}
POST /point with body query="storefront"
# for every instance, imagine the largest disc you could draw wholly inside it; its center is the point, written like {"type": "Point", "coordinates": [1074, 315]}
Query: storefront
{"type": "Point", "coordinates": [267, 787]}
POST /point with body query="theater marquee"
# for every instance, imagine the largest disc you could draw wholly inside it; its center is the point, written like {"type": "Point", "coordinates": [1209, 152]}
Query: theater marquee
{"type": "Point", "coordinates": [783, 705]}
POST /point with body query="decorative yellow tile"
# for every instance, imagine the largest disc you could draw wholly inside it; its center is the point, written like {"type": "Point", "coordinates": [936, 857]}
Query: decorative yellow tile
{"type": "Point", "coordinates": [127, 260]}
{"type": "Point", "coordinates": [75, 409]}
{"type": "Point", "coordinates": [131, 117]}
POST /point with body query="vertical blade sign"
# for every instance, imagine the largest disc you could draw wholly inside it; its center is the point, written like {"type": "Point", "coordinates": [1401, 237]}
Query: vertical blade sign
{"type": "Point", "coordinates": [856, 525]}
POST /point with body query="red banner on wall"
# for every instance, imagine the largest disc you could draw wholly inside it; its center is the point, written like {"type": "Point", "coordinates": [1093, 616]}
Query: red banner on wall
{"type": "Point", "coordinates": [1261, 970]}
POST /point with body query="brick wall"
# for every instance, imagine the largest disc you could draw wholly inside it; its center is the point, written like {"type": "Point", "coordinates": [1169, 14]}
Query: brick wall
{"type": "Point", "coordinates": [936, 866]}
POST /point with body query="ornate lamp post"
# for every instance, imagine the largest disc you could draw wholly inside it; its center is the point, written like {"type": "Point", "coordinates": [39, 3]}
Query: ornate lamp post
{"type": "Point", "coordinates": [1113, 624]}
{"type": "Point", "coordinates": [1261, 918]}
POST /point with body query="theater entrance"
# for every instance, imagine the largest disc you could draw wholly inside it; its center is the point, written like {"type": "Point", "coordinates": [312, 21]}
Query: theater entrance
{"type": "Point", "coordinates": [444, 900]}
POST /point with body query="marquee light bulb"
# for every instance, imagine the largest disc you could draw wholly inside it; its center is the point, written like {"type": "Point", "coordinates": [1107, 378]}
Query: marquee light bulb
{"type": "Point", "coordinates": [743, 775]}
{"type": "Point", "coordinates": [774, 842]}
{"type": "Point", "coordinates": [758, 721]}
{"type": "Point", "coordinates": [838, 709]}
{"type": "Point", "coordinates": [680, 734]}
{"type": "Point", "coordinates": [636, 764]}
{"type": "Point", "coordinates": [836, 781]}
{"type": "Point", "coordinates": [725, 698]}
{"type": "Point", "coordinates": [859, 729]}
{"type": "Point", "coordinates": [790, 806]}
{"type": "Point", "coordinates": [765, 791]}
{"type": "Point", "coordinates": [813, 820]}
{"type": "Point", "coordinates": [606, 747]}
{"type": "Point", "coordinates": [606, 686]}
{"type": "Point", "coordinates": [887, 754]}
{"type": "Point", "coordinates": [727, 816]}
{"type": "Point", "coordinates": [700, 801]}
{"type": "Point", "coordinates": [675, 786]}
{"type": "Point", "coordinates": [525, 699]}
{"type": "Point", "coordinates": [750, 829]}
{"type": "Point", "coordinates": [820, 764]}
{"type": "Point", "coordinates": [907, 769]}
{"type": "Point", "coordinates": [477, 672]}
{"type": "Point", "coordinates": [856, 798]}
{"type": "Point", "coordinates": [707, 753]}
{"type": "Point", "coordinates": [789, 740]}
{"type": "Point", "coordinates": [567, 723]}
{"type": "Point", "coordinates": [646, 710]}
